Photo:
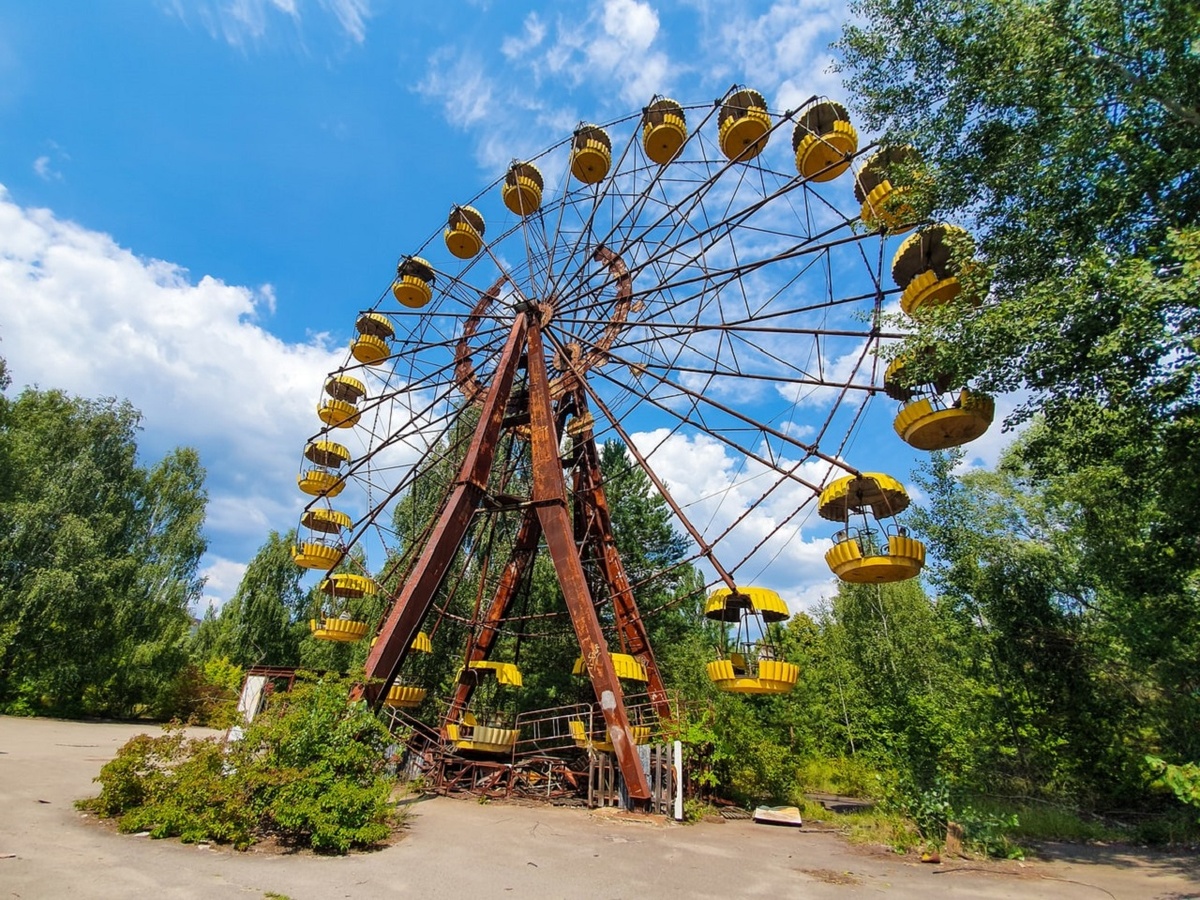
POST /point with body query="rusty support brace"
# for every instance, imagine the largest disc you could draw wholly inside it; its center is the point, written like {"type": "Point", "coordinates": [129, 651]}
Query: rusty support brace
{"type": "Point", "coordinates": [416, 594]}
{"type": "Point", "coordinates": [591, 498]}
{"type": "Point", "coordinates": [550, 495]}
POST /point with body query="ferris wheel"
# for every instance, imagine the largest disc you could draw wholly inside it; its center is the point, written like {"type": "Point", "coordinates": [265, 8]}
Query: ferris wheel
{"type": "Point", "coordinates": [697, 282]}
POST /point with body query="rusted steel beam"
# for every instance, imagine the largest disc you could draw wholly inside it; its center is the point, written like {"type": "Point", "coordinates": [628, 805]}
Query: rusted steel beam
{"type": "Point", "coordinates": [416, 594]}
{"type": "Point", "coordinates": [550, 498]}
{"type": "Point", "coordinates": [523, 551]}
{"type": "Point", "coordinates": [592, 502]}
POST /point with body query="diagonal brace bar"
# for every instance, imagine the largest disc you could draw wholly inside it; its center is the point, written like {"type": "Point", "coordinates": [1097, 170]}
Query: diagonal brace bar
{"type": "Point", "coordinates": [416, 595]}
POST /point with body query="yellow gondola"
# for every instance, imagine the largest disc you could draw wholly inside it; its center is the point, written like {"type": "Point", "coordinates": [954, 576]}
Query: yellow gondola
{"type": "Point", "coordinates": [626, 667]}
{"type": "Point", "coordinates": [413, 286]}
{"type": "Point", "coordinates": [339, 630]}
{"type": "Point", "coordinates": [753, 667]}
{"type": "Point", "coordinates": [925, 267]}
{"type": "Point", "coordinates": [324, 549]}
{"type": "Point", "coordinates": [343, 585]}
{"type": "Point", "coordinates": [316, 555]}
{"type": "Point", "coordinates": [736, 675]}
{"type": "Point", "coordinates": [884, 206]}
{"type": "Point", "coordinates": [894, 381]}
{"type": "Point", "coordinates": [326, 521]}
{"type": "Point", "coordinates": [902, 559]}
{"type": "Point", "coordinates": [329, 454]}
{"type": "Point", "coordinates": [322, 481]}
{"type": "Point", "coordinates": [823, 140]}
{"type": "Point", "coordinates": [340, 410]}
{"type": "Point", "coordinates": [464, 232]}
{"type": "Point", "coordinates": [881, 495]}
{"type": "Point", "coordinates": [506, 674]}
{"type": "Point", "coordinates": [405, 696]}
{"type": "Point", "coordinates": [484, 737]}
{"type": "Point", "coordinates": [522, 190]}
{"type": "Point", "coordinates": [421, 643]}
{"type": "Point", "coordinates": [375, 332]}
{"type": "Point", "coordinates": [744, 125]}
{"type": "Point", "coordinates": [664, 130]}
{"type": "Point", "coordinates": [591, 153]}
{"type": "Point", "coordinates": [723, 605]}
{"type": "Point", "coordinates": [927, 425]}
{"type": "Point", "coordinates": [319, 483]}
{"type": "Point", "coordinates": [585, 741]}
{"type": "Point", "coordinates": [347, 584]}
{"type": "Point", "coordinates": [470, 735]}
{"type": "Point", "coordinates": [859, 555]}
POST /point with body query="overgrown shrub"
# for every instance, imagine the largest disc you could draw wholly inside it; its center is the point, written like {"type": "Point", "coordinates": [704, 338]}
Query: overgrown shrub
{"type": "Point", "coordinates": [934, 808]}
{"type": "Point", "coordinates": [310, 770]}
{"type": "Point", "coordinates": [207, 694]}
{"type": "Point", "coordinates": [1183, 780]}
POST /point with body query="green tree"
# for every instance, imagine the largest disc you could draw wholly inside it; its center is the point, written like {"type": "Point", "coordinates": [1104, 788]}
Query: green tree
{"type": "Point", "coordinates": [98, 558]}
{"type": "Point", "coordinates": [264, 621]}
{"type": "Point", "coordinates": [1065, 702]}
{"type": "Point", "coordinates": [1066, 134]}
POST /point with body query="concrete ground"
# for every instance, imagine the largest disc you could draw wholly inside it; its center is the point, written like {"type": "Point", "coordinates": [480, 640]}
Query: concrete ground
{"type": "Point", "coordinates": [460, 848]}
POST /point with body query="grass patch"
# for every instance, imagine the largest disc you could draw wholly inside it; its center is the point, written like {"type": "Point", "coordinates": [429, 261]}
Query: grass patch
{"type": "Point", "coordinates": [876, 826]}
{"type": "Point", "coordinates": [842, 775]}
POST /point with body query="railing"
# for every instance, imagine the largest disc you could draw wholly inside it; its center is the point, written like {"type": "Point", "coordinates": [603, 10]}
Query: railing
{"type": "Point", "coordinates": [561, 752]}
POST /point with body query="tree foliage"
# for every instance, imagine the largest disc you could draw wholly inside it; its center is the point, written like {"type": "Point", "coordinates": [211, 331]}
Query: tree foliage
{"type": "Point", "coordinates": [1066, 135]}
{"type": "Point", "coordinates": [264, 621]}
{"type": "Point", "coordinates": [98, 555]}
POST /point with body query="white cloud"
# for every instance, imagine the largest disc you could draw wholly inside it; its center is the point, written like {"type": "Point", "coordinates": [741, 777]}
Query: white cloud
{"type": "Point", "coordinates": [47, 166]}
{"type": "Point", "coordinates": [783, 53]}
{"type": "Point", "coordinates": [456, 79]}
{"type": "Point", "coordinates": [221, 579]}
{"type": "Point", "coordinates": [80, 313]}
{"type": "Point", "coordinates": [242, 22]}
{"type": "Point", "coordinates": [42, 167]}
{"type": "Point", "coordinates": [352, 15]}
{"type": "Point", "coordinates": [613, 54]}
{"type": "Point", "coordinates": [720, 490]}
{"type": "Point", "coordinates": [534, 32]}
{"type": "Point", "coordinates": [621, 52]}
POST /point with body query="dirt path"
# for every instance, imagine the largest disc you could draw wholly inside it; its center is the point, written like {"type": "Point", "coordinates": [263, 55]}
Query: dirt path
{"type": "Point", "coordinates": [458, 849]}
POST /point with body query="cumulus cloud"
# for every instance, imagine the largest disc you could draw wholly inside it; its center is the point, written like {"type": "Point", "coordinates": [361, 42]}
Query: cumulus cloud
{"type": "Point", "coordinates": [83, 314]}
{"type": "Point", "coordinates": [783, 52]}
{"type": "Point", "coordinates": [765, 526]}
{"type": "Point", "coordinates": [221, 579]}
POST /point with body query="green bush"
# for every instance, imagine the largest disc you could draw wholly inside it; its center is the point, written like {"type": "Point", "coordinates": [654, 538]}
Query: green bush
{"type": "Point", "coordinates": [207, 694]}
{"type": "Point", "coordinates": [310, 770]}
{"type": "Point", "coordinates": [1183, 780]}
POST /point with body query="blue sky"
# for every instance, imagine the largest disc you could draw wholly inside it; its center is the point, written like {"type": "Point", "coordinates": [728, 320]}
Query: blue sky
{"type": "Point", "coordinates": [198, 197]}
